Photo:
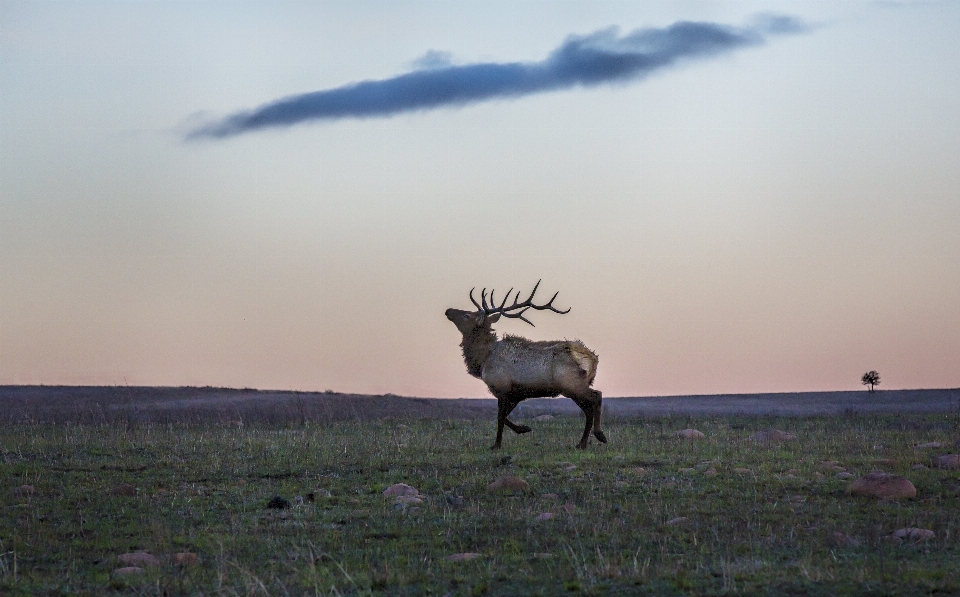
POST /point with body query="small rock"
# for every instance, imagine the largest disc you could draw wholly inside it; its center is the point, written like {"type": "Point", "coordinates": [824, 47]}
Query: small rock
{"type": "Point", "coordinates": [788, 476]}
{"type": "Point", "coordinates": [184, 558]}
{"type": "Point", "coordinates": [139, 559]}
{"type": "Point", "coordinates": [317, 494]}
{"type": "Point", "coordinates": [677, 520]}
{"type": "Point", "coordinates": [771, 436]}
{"type": "Point", "coordinates": [686, 470]}
{"type": "Point", "coordinates": [569, 508]}
{"type": "Point", "coordinates": [743, 471]}
{"type": "Point", "coordinates": [638, 470]}
{"type": "Point", "coordinates": [454, 501]}
{"type": "Point", "coordinates": [710, 472]}
{"type": "Point", "coordinates": [950, 461]}
{"type": "Point", "coordinates": [838, 539]}
{"type": "Point", "coordinates": [844, 475]}
{"type": "Point", "coordinates": [544, 516]}
{"type": "Point", "coordinates": [793, 471]}
{"type": "Point", "coordinates": [505, 460]}
{"type": "Point", "coordinates": [543, 418]}
{"type": "Point", "coordinates": [621, 483]}
{"type": "Point", "coordinates": [400, 489]}
{"type": "Point", "coordinates": [278, 503]}
{"type": "Point", "coordinates": [883, 485]}
{"type": "Point", "coordinates": [508, 483]}
{"type": "Point", "coordinates": [128, 571]}
{"type": "Point", "coordinates": [124, 489]}
{"type": "Point", "coordinates": [913, 534]}
{"type": "Point", "coordinates": [690, 434]}
{"type": "Point", "coordinates": [884, 462]}
{"type": "Point", "coordinates": [550, 496]}
{"type": "Point", "coordinates": [570, 468]}
{"type": "Point", "coordinates": [460, 557]}
{"type": "Point", "coordinates": [25, 490]}
{"type": "Point", "coordinates": [920, 467]}
{"type": "Point", "coordinates": [929, 446]}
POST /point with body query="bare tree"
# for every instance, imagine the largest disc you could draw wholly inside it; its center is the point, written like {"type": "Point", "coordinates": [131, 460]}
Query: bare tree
{"type": "Point", "coordinates": [516, 368]}
{"type": "Point", "coordinates": [870, 378]}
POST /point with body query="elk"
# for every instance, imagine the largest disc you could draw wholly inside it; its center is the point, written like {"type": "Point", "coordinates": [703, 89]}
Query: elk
{"type": "Point", "coordinates": [515, 368]}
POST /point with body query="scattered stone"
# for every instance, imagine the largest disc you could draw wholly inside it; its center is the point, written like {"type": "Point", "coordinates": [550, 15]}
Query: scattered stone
{"type": "Point", "coordinates": [690, 434]}
{"type": "Point", "coordinates": [139, 559]}
{"type": "Point", "coordinates": [771, 436]}
{"type": "Point", "coordinates": [638, 470]}
{"type": "Point", "coordinates": [460, 557]}
{"type": "Point", "coordinates": [278, 502]}
{"type": "Point", "coordinates": [913, 534]}
{"type": "Point", "coordinates": [797, 499]}
{"type": "Point", "coordinates": [124, 489]}
{"type": "Point", "coordinates": [920, 467]}
{"type": "Point", "coordinates": [710, 472]}
{"type": "Point", "coordinates": [570, 468]}
{"type": "Point", "coordinates": [686, 470]}
{"type": "Point", "coordinates": [838, 539]}
{"type": "Point", "coordinates": [883, 485]}
{"type": "Point", "coordinates": [400, 489]}
{"type": "Point", "coordinates": [743, 471]}
{"type": "Point", "coordinates": [950, 461]}
{"type": "Point", "coordinates": [543, 418]}
{"type": "Point", "coordinates": [318, 494]}
{"type": "Point", "coordinates": [569, 508]}
{"type": "Point", "coordinates": [829, 463]}
{"type": "Point", "coordinates": [25, 490]}
{"type": "Point", "coordinates": [550, 496]}
{"type": "Point", "coordinates": [844, 475]}
{"type": "Point", "coordinates": [788, 476]}
{"type": "Point", "coordinates": [184, 558]}
{"type": "Point", "coordinates": [793, 471]}
{"type": "Point", "coordinates": [930, 446]}
{"type": "Point", "coordinates": [128, 571]}
{"type": "Point", "coordinates": [508, 483]}
{"type": "Point", "coordinates": [454, 501]}
{"type": "Point", "coordinates": [884, 461]}
{"type": "Point", "coordinates": [544, 516]}
{"type": "Point", "coordinates": [677, 520]}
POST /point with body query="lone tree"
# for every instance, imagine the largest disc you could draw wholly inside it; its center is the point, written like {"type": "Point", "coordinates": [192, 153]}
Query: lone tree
{"type": "Point", "coordinates": [871, 378]}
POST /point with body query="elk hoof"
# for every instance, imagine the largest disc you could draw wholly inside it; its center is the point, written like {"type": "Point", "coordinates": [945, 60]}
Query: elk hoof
{"type": "Point", "coordinates": [600, 437]}
{"type": "Point", "coordinates": [582, 446]}
{"type": "Point", "coordinates": [523, 429]}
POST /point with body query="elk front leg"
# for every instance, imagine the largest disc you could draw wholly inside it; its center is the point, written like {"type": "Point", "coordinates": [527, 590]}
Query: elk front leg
{"type": "Point", "coordinates": [513, 426]}
{"type": "Point", "coordinates": [504, 407]}
{"type": "Point", "coordinates": [587, 409]}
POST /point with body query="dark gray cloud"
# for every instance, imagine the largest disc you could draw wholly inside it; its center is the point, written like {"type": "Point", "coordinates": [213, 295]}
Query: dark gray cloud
{"type": "Point", "coordinates": [589, 60]}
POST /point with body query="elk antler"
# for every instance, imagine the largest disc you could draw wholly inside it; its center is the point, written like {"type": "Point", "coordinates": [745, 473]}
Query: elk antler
{"type": "Point", "coordinates": [508, 311]}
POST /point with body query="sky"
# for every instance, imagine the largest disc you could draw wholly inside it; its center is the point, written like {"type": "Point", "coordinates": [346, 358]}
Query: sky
{"type": "Point", "coordinates": [730, 197]}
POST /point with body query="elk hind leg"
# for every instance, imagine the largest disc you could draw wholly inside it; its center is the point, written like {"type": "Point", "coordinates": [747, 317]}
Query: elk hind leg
{"type": "Point", "coordinates": [587, 408]}
{"type": "Point", "coordinates": [513, 426]}
{"type": "Point", "coordinates": [597, 408]}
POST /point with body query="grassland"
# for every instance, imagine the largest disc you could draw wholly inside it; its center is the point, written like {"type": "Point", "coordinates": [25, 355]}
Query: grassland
{"type": "Point", "coordinates": [204, 489]}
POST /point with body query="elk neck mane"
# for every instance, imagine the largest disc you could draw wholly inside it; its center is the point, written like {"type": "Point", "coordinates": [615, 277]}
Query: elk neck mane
{"type": "Point", "coordinates": [477, 347]}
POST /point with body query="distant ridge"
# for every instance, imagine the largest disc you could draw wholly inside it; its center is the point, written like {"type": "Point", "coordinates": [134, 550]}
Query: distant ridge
{"type": "Point", "coordinates": [84, 405]}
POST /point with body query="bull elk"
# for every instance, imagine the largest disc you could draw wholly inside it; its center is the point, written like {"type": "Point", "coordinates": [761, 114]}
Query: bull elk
{"type": "Point", "coordinates": [515, 368]}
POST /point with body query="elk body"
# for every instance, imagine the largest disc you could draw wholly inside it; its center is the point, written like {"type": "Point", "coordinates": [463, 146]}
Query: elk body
{"type": "Point", "coordinates": [515, 368]}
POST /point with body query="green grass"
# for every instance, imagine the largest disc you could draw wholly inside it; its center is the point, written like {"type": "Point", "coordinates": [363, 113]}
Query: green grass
{"type": "Point", "coordinates": [205, 490]}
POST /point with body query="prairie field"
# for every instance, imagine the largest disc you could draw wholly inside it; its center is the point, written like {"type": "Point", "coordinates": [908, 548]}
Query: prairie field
{"type": "Point", "coordinates": [648, 513]}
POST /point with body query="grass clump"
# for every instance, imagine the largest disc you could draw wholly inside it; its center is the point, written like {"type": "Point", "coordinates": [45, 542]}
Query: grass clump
{"type": "Point", "coordinates": [648, 513]}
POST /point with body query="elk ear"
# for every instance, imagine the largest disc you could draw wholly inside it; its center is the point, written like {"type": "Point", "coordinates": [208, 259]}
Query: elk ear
{"type": "Point", "coordinates": [494, 318]}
